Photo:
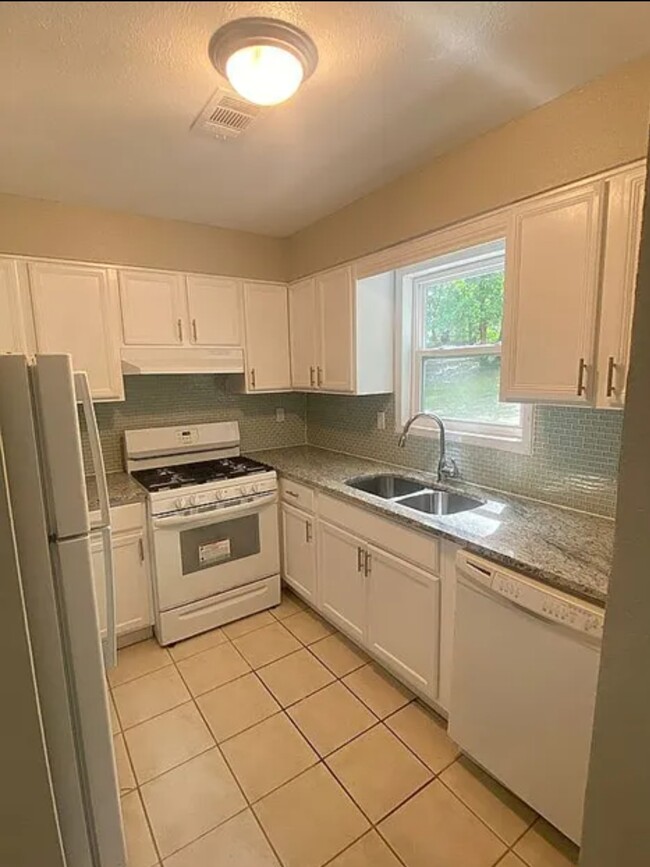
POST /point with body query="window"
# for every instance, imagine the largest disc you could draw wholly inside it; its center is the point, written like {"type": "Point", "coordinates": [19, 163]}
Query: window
{"type": "Point", "coordinates": [454, 307]}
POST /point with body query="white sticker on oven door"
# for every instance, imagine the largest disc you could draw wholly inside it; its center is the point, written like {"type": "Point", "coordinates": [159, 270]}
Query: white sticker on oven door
{"type": "Point", "coordinates": [214, 552]}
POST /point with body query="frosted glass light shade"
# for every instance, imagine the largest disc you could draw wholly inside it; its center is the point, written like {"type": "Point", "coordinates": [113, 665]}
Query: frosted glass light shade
{"type": "Point", "coordinates": [264, 74]}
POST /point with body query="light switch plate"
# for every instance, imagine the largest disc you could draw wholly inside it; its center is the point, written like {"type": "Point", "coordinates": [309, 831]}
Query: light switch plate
{"type": "Point", "coordinates": [279, 413]}
{"type": "Point", "coordinates": [381, 421]}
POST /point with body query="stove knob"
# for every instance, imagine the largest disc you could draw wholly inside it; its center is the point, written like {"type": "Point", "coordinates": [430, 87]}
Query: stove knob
{"type": "Point", "coordinates": [181, 503]}
{"type": "Point", "coordinates": [255, 489]}
{"type": "Point", "coordinates": [195, 500]}
{"type": "Point", "coordinates": [218, 495]}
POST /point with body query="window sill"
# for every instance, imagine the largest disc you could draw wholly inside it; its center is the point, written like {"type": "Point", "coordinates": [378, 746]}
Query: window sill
{"type": "Point", "coordinates": [514, 445]}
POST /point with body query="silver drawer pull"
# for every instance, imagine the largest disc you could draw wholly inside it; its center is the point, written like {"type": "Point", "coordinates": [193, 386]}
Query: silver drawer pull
{"type": "Point", "coordinates": [180, 329]}
{"type": "Point", "coordinates": [292, 494]}
{"type": "Point", "coordinates": [312, 377]}
{"type": "Point", "coordinates": [582, 369]}
{"type": "Point", "coordinates": [368, 568]}
{"type": "Point", "coordinates": [361, 555]}
{"type": "Point", "coordinates": [308, 534]}
{"type": "Point", "coordinates": [611, 367]}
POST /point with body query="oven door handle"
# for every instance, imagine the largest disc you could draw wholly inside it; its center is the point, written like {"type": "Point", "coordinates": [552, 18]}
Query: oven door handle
{"type": "Point", "coordinates": [214, 516]}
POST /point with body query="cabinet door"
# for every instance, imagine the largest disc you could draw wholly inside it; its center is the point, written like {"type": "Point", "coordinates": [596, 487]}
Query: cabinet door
{"type": "Point", "coordinates": [624, 217]}
{"type": "Point", "coordinates": [13, 315]}
{"type": "Point", "coordinates": [551, 292]}
{"type": "Point", "coordinates": [341, 560]}
{"type": "Point", "coordinates": [299, 552]}
{"type": "Point", "coordinates": [132, 598]}
{"type": "Point", "coordinates": [404, 619]}
{"type": "Point", "coordinates": [214, 307]}
{"type": "Point", "coordinates": [336, 370]}
{"type": "Point", "coordinates": [304, 334]}
{"type": "Point", "coordinates": [152, 308]}
{"type": "Point", "coordinates": [267, 336]}
{"type": "Point", "coordinates": [76, 311]}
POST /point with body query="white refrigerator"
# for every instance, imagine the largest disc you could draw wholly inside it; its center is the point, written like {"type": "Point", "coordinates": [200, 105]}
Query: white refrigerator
{"type": "Point", "coordinates": [44, 476]}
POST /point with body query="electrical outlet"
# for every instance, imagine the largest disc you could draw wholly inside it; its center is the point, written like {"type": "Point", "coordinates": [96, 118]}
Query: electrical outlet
{"type": "Point", "coordinates": [381, 421]}
{"type": "Point", "coordinates": [279, 413]}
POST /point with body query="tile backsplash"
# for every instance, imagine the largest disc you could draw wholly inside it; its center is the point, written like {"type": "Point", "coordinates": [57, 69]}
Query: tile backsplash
{"type": "Point", "coordinates": [574, 458]}
{"type": "Point", "coordinates": [161, 401]}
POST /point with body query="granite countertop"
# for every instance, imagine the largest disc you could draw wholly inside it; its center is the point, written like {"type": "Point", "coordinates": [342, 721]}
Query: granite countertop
{"type": "Point", "coordinates": [569, 550]}
{"type": "Point", "coordinates": [122, 490]}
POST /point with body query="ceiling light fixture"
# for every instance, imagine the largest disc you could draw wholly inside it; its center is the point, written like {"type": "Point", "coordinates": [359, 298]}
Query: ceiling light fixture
{"type": "Point", "coordinates": [265, 60]}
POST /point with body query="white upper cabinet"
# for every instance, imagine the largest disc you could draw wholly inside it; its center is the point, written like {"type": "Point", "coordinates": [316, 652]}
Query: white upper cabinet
{"type": "Point", "coordinates": [303, 327]}
{"type": "Point", "coordinates": [214, 311]}
{"type": "Point", "coordinates": [75, 311]}
{"type": "Point", "coordinates": [153, 311]}
{"type": "Point", "coordinates": [15, 317]}
{"type": "Point", "coordinates": [266, 318]}
{"type": "Point", "coordinates": [342, 333]}
{"type": "Point", "coordinates": [336, 330]}
{"type": "Point", "coordinates": [553, 260]}
{"type": "Point", "coordinates": [624, 217]}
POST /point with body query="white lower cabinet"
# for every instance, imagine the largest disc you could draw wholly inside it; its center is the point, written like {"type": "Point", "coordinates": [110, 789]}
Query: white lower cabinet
{"type": "Point", "coordinates": [341, 563]}
{"type": "Point", "coordinates": [299, 552]}
{"type": "Point", "coordinates": [133, 610]}
{"type": "Point", "coordinates": [403, 618]}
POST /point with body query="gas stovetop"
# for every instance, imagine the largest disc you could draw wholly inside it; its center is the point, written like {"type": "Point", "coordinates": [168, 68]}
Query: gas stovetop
{"type": "Point", "coordinates": [200, 473]}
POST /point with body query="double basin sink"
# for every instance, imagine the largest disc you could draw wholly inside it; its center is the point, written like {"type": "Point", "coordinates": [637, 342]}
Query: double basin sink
{"type": "Point", "coordinates": [415, 495]}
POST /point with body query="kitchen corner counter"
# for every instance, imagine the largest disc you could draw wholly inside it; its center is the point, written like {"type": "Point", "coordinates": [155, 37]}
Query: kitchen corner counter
{"type": "Point", "coordinates": [122, 490]}
{"type": "Point", "coordinates": [569, 550]}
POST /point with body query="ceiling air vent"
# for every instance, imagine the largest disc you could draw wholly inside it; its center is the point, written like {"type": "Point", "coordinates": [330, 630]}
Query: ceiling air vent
{"type": "Point", "coordinates": [225, 116]}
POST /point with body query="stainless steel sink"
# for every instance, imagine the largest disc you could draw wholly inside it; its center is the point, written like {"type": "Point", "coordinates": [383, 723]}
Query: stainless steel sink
{"type": "Point", "coordinates": [440, 502]}
{"type": "Point", "coordinates": [386, 486]}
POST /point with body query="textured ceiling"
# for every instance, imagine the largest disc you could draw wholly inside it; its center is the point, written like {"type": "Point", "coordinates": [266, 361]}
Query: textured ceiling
{"type": "Point", "coordinates": [96, 99]}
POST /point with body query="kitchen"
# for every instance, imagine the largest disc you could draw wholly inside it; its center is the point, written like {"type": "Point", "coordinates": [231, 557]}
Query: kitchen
{"type": "Point", "coordinates": [340, 488]}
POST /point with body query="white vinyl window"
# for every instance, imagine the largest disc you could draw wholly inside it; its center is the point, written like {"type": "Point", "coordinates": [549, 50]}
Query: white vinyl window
{"type": "Point", "coordinates": [454, 307]}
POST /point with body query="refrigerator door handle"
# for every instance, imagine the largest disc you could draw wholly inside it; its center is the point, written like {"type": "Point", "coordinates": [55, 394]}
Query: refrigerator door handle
{"type": "Point", "coordinates": [82, 389]}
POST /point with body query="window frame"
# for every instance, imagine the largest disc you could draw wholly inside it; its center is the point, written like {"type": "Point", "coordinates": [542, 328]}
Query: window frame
{"type": "Point", "coordinates": [411, 284]}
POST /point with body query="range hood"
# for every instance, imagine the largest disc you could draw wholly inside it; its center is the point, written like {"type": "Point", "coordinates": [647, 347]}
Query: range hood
{"type": "Point", "coordinates": [193, 359]}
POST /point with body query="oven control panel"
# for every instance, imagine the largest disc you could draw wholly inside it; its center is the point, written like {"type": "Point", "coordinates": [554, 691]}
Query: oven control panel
{"type": "Point", "coordinates": [198, 496]}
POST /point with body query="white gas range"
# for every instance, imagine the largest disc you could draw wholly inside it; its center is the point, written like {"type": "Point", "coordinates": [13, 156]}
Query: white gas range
{"type": "Point", "coordinates": [213, 526]}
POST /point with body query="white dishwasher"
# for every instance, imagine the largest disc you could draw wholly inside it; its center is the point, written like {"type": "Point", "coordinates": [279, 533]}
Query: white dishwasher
{"type": "Point", "coordinates": [525, 671]}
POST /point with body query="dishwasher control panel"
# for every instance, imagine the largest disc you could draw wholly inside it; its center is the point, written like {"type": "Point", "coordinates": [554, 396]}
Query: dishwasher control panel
{"type": "Point", "coordinates": [530, 596]}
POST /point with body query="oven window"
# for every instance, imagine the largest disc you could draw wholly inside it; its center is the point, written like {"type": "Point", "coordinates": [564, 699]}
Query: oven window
{"type": "Point", "coordinates": [222, 542]}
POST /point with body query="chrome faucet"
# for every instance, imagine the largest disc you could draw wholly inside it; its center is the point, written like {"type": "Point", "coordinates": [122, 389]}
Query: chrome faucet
{"type": "Point", "coordinates": [447, 467]}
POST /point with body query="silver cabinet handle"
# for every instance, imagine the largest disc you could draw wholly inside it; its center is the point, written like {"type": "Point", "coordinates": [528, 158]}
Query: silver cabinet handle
{"type": "Point", "coordinates": [194, 330]}
{"type": "Point", "coordinates": [320, 376]}
{"type": "Point", "coordinates": [312, 376]}
{"type": "Point", "coordinates": [180, 330]}
{"type": "Point", "coordinates": [368, 565]}
{"type": "Point", "coordinates": [252, 377]}
{"type": "Point", "coordinates": [582, 369]}
{"type": "Point", "coordinates": [308, 534]}
{"type": "Point", "coordinates": [141, 549]}
{"type": "Point", "coordinates": [361, 560]}
{"type": "Point", "coordinates": [611, 367]}
{"type": "Point", "coordinates": [291, 494]}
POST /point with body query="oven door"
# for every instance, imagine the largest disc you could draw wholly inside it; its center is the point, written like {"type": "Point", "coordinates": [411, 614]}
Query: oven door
{"type": "Point", "coordinates": [201, 554]}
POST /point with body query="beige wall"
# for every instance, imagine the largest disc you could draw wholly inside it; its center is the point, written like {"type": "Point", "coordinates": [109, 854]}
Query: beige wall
{"type": "Point", "coordinates": [592, 128]}
{"type": "Point", "coordinates": [34, 227]}
{"type": "Point", "coordinates": [616, 830]}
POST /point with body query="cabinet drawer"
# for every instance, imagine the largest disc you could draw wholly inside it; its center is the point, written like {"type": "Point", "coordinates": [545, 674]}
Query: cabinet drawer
{"type": "Point", "coordinates": [123, 518]}
{"type": "Point", "coordinates": [416, 547]}
{"type": "Point", "coordinates": [297, 495]}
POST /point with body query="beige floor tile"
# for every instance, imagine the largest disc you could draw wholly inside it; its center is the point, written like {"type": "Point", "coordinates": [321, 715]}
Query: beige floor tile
{"type": "Point", "coordinates": [434, 828]}
{"type": "Point", "coordinates": [266, 645]}
{"type": "Point", "coordinates": [197, 644]}
{"type": "Point", "coordinates": [138, 659]}
{"type": "Point", "coordinates": [426, 734]}
{"type": "Point", "coordinates": [308, 627]}
{"type": "Point", "coordinates": [331, 717]}
{"type": "Point", "coordinates": [501, 811]}
{"type": "Point", "coordinates": [149, 695]}
{"type": "Point", "coordinates": [236, 706]}
{"type": "Point", "coordinates": [267, 755]}
{"type": "Point", "coordinates": [544, 846]}
{"type": "Point", "coordinates": [290, 604]}
{"type": "Point", "coordinates": [140, 850]}
{"type": "Point", "coordinates": [378, 690]}
{"type": "Point", "coordinates": [125, 778]}
{"type": "Point", "coordinates": [248, 624]}
{"type": "Point", "coordinates": [294, 819]}
{"type": "Point", "coordinates": [115, 722]}
{"type": "Point", "coordinates": [190, 800]}
{"type": "Point", "coordinates": [239, 842]}
{"type": "Point", "coordinates": [338, 654]}
{"type": "Point", "coordinates": [378, 771]}
{"type": "Point", "coordinates": [369, 851]}
{"type": "Point", "coordinates": [212, 668]}
{"type": "Point", "coordinates": [510, 860]}
{"type": "Point", "coordinates": [161, 743]}
{"type": "Point", "coordinates": [295, 676]}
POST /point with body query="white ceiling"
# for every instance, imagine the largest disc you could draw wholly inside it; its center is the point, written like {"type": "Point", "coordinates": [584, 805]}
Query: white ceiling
{"type": "Point", "coordinates": [97, 99]}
